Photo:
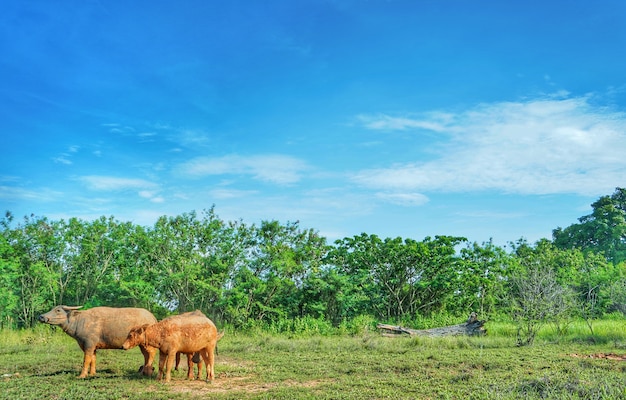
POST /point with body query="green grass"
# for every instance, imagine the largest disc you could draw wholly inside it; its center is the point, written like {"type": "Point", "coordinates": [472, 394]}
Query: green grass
{"type": "Point", "coordinates": [363, 366]}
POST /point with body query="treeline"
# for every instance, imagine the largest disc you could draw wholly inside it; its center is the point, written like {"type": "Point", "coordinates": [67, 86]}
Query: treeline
{"type": "Point", "coordinates": [262, 274]}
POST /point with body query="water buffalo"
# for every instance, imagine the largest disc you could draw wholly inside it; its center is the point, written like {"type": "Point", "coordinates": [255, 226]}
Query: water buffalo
{"type": "Point", "coordinates": [185, 333]}
{"type": "Point", "coordinates": [101, 328]}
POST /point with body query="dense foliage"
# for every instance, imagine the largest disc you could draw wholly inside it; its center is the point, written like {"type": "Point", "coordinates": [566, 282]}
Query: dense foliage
{"type": "Point", "coordinates": [249, 275]}
{"type": "Point", "coordinates": [603, 231]}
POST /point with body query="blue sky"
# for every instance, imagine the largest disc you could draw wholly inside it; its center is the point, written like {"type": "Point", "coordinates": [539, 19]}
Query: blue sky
{"type": "Point", "coordinates": [483, 119]}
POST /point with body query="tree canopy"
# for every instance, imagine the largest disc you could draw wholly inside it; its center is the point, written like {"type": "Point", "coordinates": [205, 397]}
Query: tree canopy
{"type": "Point", "coordinates": [249, 275]}
{"type": "Point", "coordinates": [602, 231]}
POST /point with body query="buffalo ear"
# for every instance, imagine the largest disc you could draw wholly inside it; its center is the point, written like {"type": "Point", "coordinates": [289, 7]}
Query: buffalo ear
{"type": "Point", "coordinates": [139, 329]}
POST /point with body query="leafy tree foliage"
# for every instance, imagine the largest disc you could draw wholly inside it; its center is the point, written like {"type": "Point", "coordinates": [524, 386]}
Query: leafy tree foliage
{"type": "Point", "coordinates": [270, 284]}
{"type": "Point", "coordinates": [266, 274]}
{"type": "Point", "coordinates": [9, 269]}
{"type": "Point", "coordinates": [481, 278]}
{"type": "Point", "coordinates": [396, 277]}
{"type": "Point", "coordinates": [561, 284]}
{"type": "Point", "coordinates": [603, 231]}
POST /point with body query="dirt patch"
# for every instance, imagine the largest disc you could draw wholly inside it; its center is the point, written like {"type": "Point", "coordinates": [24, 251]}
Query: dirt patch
{"type": "Point", "coordinates": [606, 356]}
{"type": "Point", "coordinates": [225, 384]}
{"type": "Point", "coordinates": [240, 381]}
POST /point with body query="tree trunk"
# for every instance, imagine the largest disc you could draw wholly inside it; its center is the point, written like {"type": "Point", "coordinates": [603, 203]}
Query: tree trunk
{"type": "Point", "coordinates": [473, 327]}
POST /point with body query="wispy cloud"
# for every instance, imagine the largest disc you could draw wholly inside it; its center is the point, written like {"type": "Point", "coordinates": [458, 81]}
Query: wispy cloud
{"type": "Point", "coordinates": [192, 138]}
{"type": "Point", "coordinates": [62, 159]}
{"type": "Point", "coordinates": [222, 194]}
{"type": "Point", "coordinates": [111, 183]}
{"type": "Point", "coordinates": [151, 195]}
{"type": "Point", "coordinates": [12, 193]}
{"type": "Point", "coordinates": [120, 129]}
{"type": "Point", "coordinates": [278, 169]}
{"type": "Point", "coordinates": [538, 146]}
{"type": "Point", "coordinates": [65, 158]}
{"type": "Point", "coordinates": [403, 199]}
{"type": "Point", "coordinates": [436, 122]}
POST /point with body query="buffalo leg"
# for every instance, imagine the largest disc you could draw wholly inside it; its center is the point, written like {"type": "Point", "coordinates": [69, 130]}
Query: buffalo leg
{"type": "Point", "coordinates": [171, 358]}
{"type": "Point", "coordinates": [197, 358]}
{"type": "Point", "coordinates": [162, 359]}
{"type": "Point", "coordinates": [177, 361]}
{"type": "Point", "coordinates": [89, 363]}
{"type": "Point", "coordinates": [190, 366]}
{"type": "Point", "coordinates": [148, 359]}
{"type": "Point", "coordinates": [207, 355]}
{"type": "Point", "coordinates": [211, 353]}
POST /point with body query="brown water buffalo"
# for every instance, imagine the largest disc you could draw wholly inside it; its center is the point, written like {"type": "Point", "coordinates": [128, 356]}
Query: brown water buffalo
{"type": "Point", "coordinates": [185, 333]}
{"type": "Point", "coordinates": [101, 328]}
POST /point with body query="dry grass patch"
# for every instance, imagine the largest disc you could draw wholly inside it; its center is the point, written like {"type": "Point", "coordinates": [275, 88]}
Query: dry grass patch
{"type": "Point", "coordinates": [237, 384]}
{"type": "Point", "coordinates": [239, 377]}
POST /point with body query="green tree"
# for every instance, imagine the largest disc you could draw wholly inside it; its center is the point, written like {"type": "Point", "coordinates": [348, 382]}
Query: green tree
{"type": "Point", "coordinates": [9, 273]}
{"type": "Point", "coordinates": [603, 231]}
{"type": "Point", "coordinates": [193, 260]}
{"type": "Point", "coordinates": [329, 295]}
{"type": "Point", "coordinates": [280, 258]}
{"type": "Point", "coordinates": [127, 282]}
{"type": "Point", "coordinates": [481, 277]}
{"type": "Point", "coordinates": [222, 248]}
{"type": "Point", "coordinates": [176, 260]}
{"type": "Point", "coordinates": [94, 251]}
{"type": "Point", "coordinates": [31, 266]}
{"type": "Point", "coordinates": [594, 287]}
{"type": "Point", "coordinates": [396, 278]}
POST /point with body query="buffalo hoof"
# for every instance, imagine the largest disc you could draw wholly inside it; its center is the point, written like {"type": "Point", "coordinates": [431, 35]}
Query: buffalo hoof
{"type": "Point", "coordinates": [146, 370]}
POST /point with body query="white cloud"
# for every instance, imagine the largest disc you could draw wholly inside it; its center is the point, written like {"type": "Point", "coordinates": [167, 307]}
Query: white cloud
{"type": "Point", "coordinates": [433, 122]}
{"type": "Point", "coordinates": [222, 194]}
{"type": "Point", "coordinates": [403, 199]}
{"type": "Point", "coordinates": [111, 183]}
{"type": "Point", "coordinates": [146, 194]}
{"type": "Point", "coordinates": [12, 193]}
{"type": "Point", "coordinates": [277, 169]}
{"type": "Point", "coordinates": [62, 159]}
{"type": "Point", "coordinates": [190, 138]}
{"type": "Point", "coordinates": [539, 146]}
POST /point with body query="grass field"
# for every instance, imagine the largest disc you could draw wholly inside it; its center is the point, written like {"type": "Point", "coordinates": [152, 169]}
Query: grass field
{"type": "Point", "coordinates": [43, 364]}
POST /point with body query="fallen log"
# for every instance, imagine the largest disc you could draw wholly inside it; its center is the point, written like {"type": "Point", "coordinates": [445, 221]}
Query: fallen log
{"type": "Point", "coordinates": [473, 327]}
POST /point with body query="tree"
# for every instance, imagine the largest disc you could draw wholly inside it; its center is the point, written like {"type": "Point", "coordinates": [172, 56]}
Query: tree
{"type": "Point", "coordinates": [396, 278]}
{"type": "Point", "coordinates": [481, 278]}
{"type": "Point", "coordinates": [178, 259]}
{"type": "Point", "coordinates": [9, 272]}
{"type": "Point", "coordinates": [617, 295]}
{"type": "Point", "coordinates": [31, 264]}
{"type": "Point", "coordinates": [93, 257]}
{"type": "Point", "coordinates": [271, 284]}
{"type": "Point", "coordinates": [329, 295]}
{"type": "Point", "coordinates": [128, 282]}
{"type": "Point", "coordinates": [603, 231]}
{"type": "Point", "coordinates": [536, 297]}
{"type": "Point", "coordinates": [594, 287]}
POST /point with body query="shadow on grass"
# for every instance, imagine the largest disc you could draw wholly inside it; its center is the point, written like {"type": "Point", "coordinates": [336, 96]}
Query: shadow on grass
{"type": "Point", "coordinates": [106, 373]}
{"type": "Point", "coordinates": [57, 373]}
